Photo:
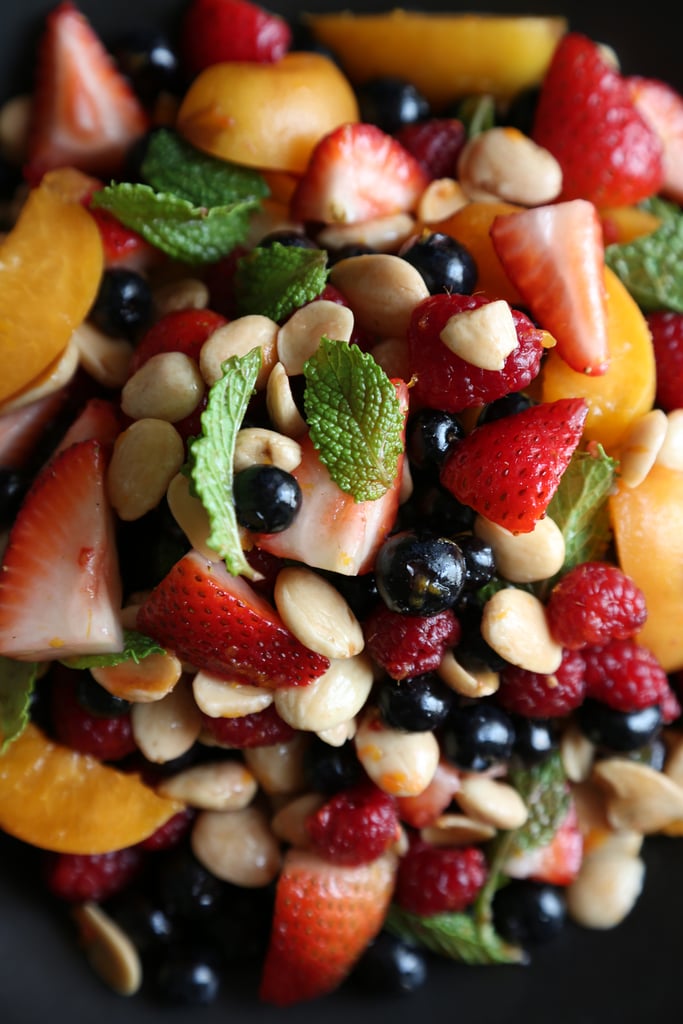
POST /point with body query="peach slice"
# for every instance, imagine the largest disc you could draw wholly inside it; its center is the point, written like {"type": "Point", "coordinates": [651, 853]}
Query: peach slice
{"type": "Point", "coordinates": [268, 116]}
{"type": "Point", "coordinates": [60, 800]}
{"type": "Point", "coordinates": [50, 269]}
{"type": "Point", "coordinates": [449, 55]}
{"type": "Point", "coordinates": [648, 529]}
{"type": "Point", "coordinates": [623, 394]}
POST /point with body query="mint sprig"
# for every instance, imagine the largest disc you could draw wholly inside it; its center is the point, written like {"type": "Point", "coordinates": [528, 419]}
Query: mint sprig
{"type": "Point", "coordinates": [17, 681]}
{"type": "Point", "coordinates": [184, 231]}
{"type": "Point", "coordinates": [354, 417]}
{"type": "Point", "coordinates": [457, 936]}
{"type": "Point", "coordinates": [212, 453]}
{"type": "Point", "coordinates": [276, 280]}
{"type": "Point", "coordinates": [171, 164]}
{"type": "Point", "coordinates": [136, 647]}
{"type": "Point", "coordinates": [651, 266]}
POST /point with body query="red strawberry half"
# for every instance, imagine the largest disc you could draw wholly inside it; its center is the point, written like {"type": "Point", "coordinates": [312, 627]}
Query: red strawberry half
{"type": "Point", "coordinates": [509, 469]}
{"type": "Point", "coordinates": [219, 623]}
{"type": "Point", "coordinates": [85, 112]}
{"type": "Point", "coordinates": [355, 173]}
{"type": "Point", "coordinates": [325, 916]}
{"type": "Point", "coordinates": [60, 592]}
{"type": "Point", "coordinates": [183, 330]}
{"type": "Point", "coordinates": [587, 119]}
{"type": "Point", "coordinates": [554, 256]}
{"type": "Point", "coordinates": [558, 862]}
{"type": "Point", "coordinates": [222, 30]}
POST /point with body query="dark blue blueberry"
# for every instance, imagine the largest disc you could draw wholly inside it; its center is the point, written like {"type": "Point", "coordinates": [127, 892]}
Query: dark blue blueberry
{"type": "Point", "coordinates": [480, 564]}
{"type": "Point", "coordinates": [444, 264]}
{"type": "Point", "coordinates": [150, 63]}
{"type": "Point", "coordinates": [148, 927]}
{"type": "Point", "coordinates": [417, 704]}
{"type": "Point", "coordinates": [478, 736]}
{"type": "Point", "coordinates": [390, 103]}
{"type": "Point", "coordinates": [419, 575]}
{"type": "Point", "coordinates": [186, 890]}
{"type": "Point", "coordinates": [267, 498]}
{"type": "Point", "coordinates": [331, 769]}
{"type": "Point", "coordinates": [508, 405]}
{"type": "Point", "coordinates": [528, 913]}
{"type": "Point", "coordinates": [188, 975]}
{"type": "Point", "coordinates": [620, 731]}
{"type": "Point", "coordinates": [287, 237]}
{"type": "Point", "coordinates": [98, 701]}
{"type": "Point", "coordinates": [389, 966]}
{"type": "Point", "coordinates": [123, 305]}
{"type": "Point", "coordinates": [535, 738]}
{"type": "Point", "coordinates": [430, 436]}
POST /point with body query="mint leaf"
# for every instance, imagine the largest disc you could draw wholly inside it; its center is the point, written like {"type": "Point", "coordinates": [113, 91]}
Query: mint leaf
{"type": "Point", "coordinates": [277, 279]}
{"type": "Point", "coordinates": [172, 164]}
{"type": "Point", "coordinates": [651, 267]}
{"type": "Point", "coordinates": [192, 234]}
{"type": "Point", "coordinates": [477, 113]}
{"type": "Point", "coordinates": [579, 507]}
{"type": "Point", "coordinates": [354, 418]}
{"type": "Point", "coordinates": [211, 456]}
{"type": "Point", "coordinates": [136, 646]}
{"type": "Point", "coordinates": [545, 792]}
{"type": "Point", "coordinates": [457, 936]}
{"type": "Point", "coordinates": [17, 679]}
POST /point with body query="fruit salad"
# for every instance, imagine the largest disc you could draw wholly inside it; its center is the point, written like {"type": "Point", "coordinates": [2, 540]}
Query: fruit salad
{"type": "Point", "coordinates": [341, 484]}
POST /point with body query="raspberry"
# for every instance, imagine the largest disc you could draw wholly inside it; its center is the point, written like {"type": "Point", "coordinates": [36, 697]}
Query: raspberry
{"type": "Point", "coordinates": [667, 339]}
{"type": "Point", "coordinates": [434, 879]}
{"type": "Point", "coordinates": [409, 645]}
{"type": "Point", "coordinates": [75, 877]}
{"type": "Point", "coordinates": [107, 737]}
{"type": "Point", "coordinates": [593, 603]}
{"type": "Point", "coordinates": [260, 729]}
{"type": "Point", "coordinates": [436, 144]}
{"type": "Point", "coordinates": [535, 695]}
{"type": "Point", "coordinates": [625, 676]}
{"type": "Point", "coordinates": [171, 833]}
{"type": "Point", "coordinates": [355, 826]}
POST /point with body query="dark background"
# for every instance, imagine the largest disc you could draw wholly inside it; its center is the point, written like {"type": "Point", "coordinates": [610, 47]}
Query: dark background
{"type": "Point", "coordinates": [626, 976]}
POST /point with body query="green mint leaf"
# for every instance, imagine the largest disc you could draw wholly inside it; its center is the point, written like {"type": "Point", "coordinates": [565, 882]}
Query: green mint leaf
{"type": "Point", "coordinates": [545, 792]}
{"type": "Point", "coordinates": [192, 234]}
{"type": "Point", "coordinates": [136, 646]}
{"type": "Point", "coordinates": [477, 113]}
{"type": "Point", "coordinates": [211, 456]}
{"type": "Point", "coordinates": [277, 279]}
{"type": "Point", "coordinates": [457, 936]}
{"type": "Point", "coordinates": [17, 679]}
{"type": "Point", "coordinates": [579, 507]}
{"type": "Point", "coordinates": [354, 418]}
{"type": "Point", "coordinates": [172, 164]}
{"type": "Point", "coordinates": [651, 267]}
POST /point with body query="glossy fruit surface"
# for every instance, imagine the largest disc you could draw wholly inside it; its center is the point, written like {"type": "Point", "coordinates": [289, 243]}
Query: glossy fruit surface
{"type": "Point", "coordinates": [267, 115]}
{"type": "Point", "coordinates": [45, 290]}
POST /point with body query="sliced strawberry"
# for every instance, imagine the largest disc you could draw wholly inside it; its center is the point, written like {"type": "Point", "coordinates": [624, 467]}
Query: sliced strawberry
{"type": "Point", "coordinates": [23, 428]}
{"type": "Point", "coordinates": [332, 530]}
{"type": "Point", "coordinates": [184, 330]}
{"type": "Point", "coordinates": [423, 809]}
{"type": "Point", "coordinates": [223, 30]}
{"type": "Point", "coordinates": [558, 862]}
{"type": "Point", "coordinates": [85, 113]}
{"type": "Point", "coordinates": [60, 591]}
{"type": "Point", "coordinates": [509, 469]}
{"type": "Point", "coordinates": [219, 623]}
{"type": "Point", "coordinates": [355, 173]}
{"type": "Point", "coordinates": [99, 420]}
{"type": "Point", "coordinates": [662, 107]}
{"type": "Point", "coordinates": [554, 256]}
{"type": "Point", "coordinates": [122, 246]}
{"type": "Point", "coordinates": [586, 117]}
{"type": "Point", "coordinates": [325, 916]}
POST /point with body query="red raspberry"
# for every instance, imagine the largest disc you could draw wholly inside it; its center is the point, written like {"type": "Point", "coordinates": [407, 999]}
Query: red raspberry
{"type": "Point", "coordinates": [75, 877]}
{"type": "Point", "coordinates": [214, 31]}
{"type": "Point", "coordinates": [593, 603]}
{"type": "Point", "coordinates": [445, 381]}
{"type": "Point", "coordinates": [436, 144]}
{"type": "Point", "coordinates": [667, 339]}
{"type": "Point", "coordinates": [355, 826]}
{"type": "Point", "coordinates": [625, 676]}
{"type": "Point", "coordinates": [260, 729]}
{"type": "Point", "coordinates": [409, 645]}
{"type": "Point", "coordinates": [434, 879]}
{"type": "Point", "coordinates": [169, 835]}
{"type": "Point", "coordinates": [535, 695]}
{"type": "Point", "coordinates": [109, 738]}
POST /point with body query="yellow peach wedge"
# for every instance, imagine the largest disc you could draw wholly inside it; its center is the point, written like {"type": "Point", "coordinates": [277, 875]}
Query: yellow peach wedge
{"type": "Point", "coordinates": [57, 799]}
{"type": "Point", "coordinates": [268, 116]}
{"type": "Point", "coordinates": [626, 391]}
{"type": "Point", "coordinates": [449, 55]}
{"type": "Point", "coordinates": [46, 289]}
{"type": "Point", "coordinates": [648, 529]}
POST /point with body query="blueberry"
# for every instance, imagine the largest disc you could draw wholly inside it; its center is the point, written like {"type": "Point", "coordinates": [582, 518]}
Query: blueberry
{"type": "Point", "coordinates": [444, 263]}
{"type": "Point", "coordinates": [148, 927]}
{"type": "Point", "coordinates": [187, 891]}
{"type": "Point", "coordinates": [621, 731]}
{"type": "Point", "coordinates": [527, 912]}
{"type": "Point", "coordinates": [123, 305]}
{"type": "Point", "coordinates": [436, 510]}
{"type": "Point", "coordinates": [390, 103]}
{"type": "Point", "coordinates": [346, 251]}
{"type": "Point", "coordinates": [535, 738]}
{"type": "Point", "coordinates": [478, 736]}
{"type": "Point", "coordinates": [480, 563]}
{"type": "Point", "coordinates": [98, 701]}
{"type": "Point", "coordinates": [419, 575]}
{"type": "Point", "coordinates": [287, 237]}
{"type": "Point", "coordinates": [417, 704]}
{"type": "Point", "coordinates": [508, 405]}
{"type": "Point", "coordinates": [330, 769]}
{"type": "Point", "coordinates": [188, 975]}
{"type": "Point", "coordinates": [430, 436]}
{"type": "Point", "coordinates": [267, 498]}
{"type": "Point", "coordinates": [148, 60]}
{"type": "Point", "coordinates": [389, 966]}
{"type": "Point", "coordinates": [13, 488]}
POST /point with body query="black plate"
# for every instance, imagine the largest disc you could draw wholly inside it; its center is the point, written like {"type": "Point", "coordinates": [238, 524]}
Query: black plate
{"type": "Point", "coordinates": [628, 975]}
